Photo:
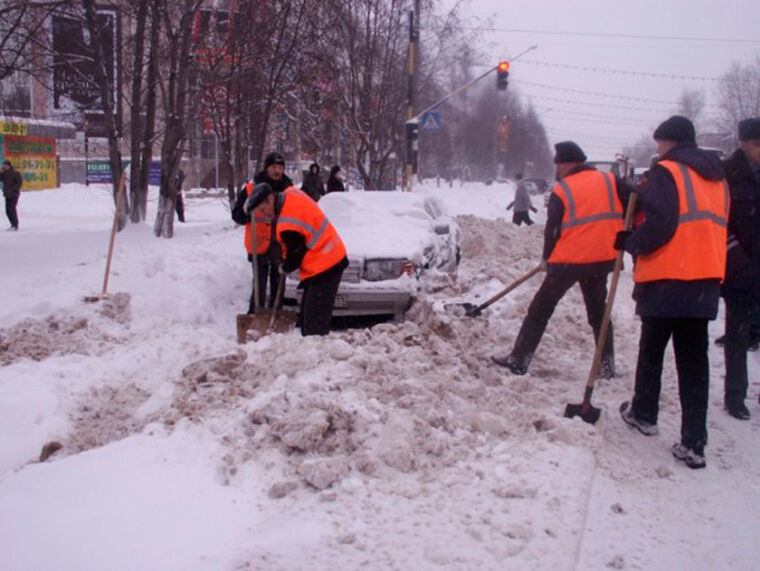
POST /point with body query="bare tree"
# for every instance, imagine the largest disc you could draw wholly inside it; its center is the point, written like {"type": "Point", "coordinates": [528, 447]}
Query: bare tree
{"type": "Point", "coordinates": [692, 105]}
{"type": "Point", "coordinates": [106, 89]}
{"type": "Point", "coordinates": [738, 98]}
{"type": "Point", "coordinates": [177, 22]}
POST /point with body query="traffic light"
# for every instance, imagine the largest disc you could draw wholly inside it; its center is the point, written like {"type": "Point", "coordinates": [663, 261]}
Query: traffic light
{"type": "Point", "coordinates": [412, 143]}
{"type": "Point", "coordinates": [502, 75]}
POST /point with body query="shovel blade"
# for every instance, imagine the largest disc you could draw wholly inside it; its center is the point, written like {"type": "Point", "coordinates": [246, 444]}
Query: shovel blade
{"type": "Point", "coordinates": [587, 412]}
{"type": "Point", "coordinates": [260, 323]}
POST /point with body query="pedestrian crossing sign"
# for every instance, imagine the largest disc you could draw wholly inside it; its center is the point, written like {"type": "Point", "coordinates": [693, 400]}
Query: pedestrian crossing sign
{"type": "Point", "coordinates": [431, 121]}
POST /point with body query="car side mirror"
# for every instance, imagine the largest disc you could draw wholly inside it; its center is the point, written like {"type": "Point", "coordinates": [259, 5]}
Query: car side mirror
{"type": "Point", "coordinates": [441, 229]}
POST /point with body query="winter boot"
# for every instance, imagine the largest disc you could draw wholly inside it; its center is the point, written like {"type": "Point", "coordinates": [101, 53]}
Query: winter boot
{"type": "Point", "coordinates": [646, 428]}
{"type": "Point", "coordinates": [693, 458]}
{"type": "Point", "coordinates": [510, 363]}
{"type": "Point", "coordinates": [737, 409]}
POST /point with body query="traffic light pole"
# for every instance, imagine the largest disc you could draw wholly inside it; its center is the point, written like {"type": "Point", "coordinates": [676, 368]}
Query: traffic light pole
{"type": "Point", "coordinates": [413, 133]}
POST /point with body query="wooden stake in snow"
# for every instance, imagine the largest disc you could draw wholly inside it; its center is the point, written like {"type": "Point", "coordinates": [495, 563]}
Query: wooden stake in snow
{"type": "Point", "coordinates": [119, 198]}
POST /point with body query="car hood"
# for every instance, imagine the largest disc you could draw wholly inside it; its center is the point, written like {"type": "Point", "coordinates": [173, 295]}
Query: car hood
{"type": "Point", "coordinates": [384, 224]}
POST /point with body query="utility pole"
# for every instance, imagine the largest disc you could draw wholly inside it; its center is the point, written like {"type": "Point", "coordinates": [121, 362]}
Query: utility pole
{"type": "Point", "coordinates": [412, 140]}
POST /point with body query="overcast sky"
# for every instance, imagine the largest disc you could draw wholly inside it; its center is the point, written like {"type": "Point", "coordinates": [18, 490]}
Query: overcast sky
{"type": "Point", "coordinates": [603, 125]}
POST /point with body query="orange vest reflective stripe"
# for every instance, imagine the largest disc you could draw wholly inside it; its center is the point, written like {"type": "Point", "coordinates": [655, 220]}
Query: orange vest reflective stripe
{"type": "Point", "coordinates": [324, 248]}
{"type": "Point", "coordinates": [593, 216]}
{"type": "Point", "coordinates": [263, 230]}
{"type": "Point", "coordinates": [698, 248]}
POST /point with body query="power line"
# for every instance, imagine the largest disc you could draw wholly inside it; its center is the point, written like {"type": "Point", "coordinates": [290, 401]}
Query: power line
{"type": "Point", "coordinates": [609, 35]}
{"type": "Point", "coordinates": [597, 93]}
{"type": "Point", "coordinates": [620, 71]}
{"type": "Point", "coordinates": [599, 118]}
{"type": "Point", "coordinates": [594, 103]}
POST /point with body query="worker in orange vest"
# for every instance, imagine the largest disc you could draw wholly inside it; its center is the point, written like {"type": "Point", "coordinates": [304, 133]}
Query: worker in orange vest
{"type": "Point", "coordinates": [310, 245]}
{"type": "Point", "coordinates": [267, 253]}
{"type": "Point", "coordinates": [680, 253]}
{"type": "Point", "coordinates": [585, 212]}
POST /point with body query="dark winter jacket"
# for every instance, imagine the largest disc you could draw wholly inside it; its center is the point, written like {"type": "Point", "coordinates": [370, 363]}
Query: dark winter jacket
{"type": "Point", "coordinates": [312, 183]}
{"type": "Point", "coordinates": [12, 182]}
{"type": "Point", "coordinates": [742, 281]}
{"type": "Point", "coordinates": [553, 230]}
{"type": "Point", "coordinates": [334, 184]}
{"type": "Point", "coordinates": [238, 213]}
{"type": "Point", "coordinates": [659, 203]}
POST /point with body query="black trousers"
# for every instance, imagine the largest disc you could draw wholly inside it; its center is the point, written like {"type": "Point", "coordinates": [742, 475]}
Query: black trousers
{"type": "Point", "coordinates": [317, 303]}
{"type": "Point", "coordinates": [690, 348]}
{"type": "Point", "coordinates": [10, 210]}
{"type": "Point", "coordinates": [180, 207]}
{"type": "Point", "coordinates": [267, 269]}
{"type": "Point", "coordinates": [739, 318]}
{"type": "Point", "coordinates": [522, 216]}
{"type": "Point", "coordinates": [594, 290]}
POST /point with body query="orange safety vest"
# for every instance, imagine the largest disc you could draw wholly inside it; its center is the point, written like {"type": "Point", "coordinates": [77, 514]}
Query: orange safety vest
{"type": "Point", "coordinates": [263, 230]}
{"type": "Point", "coordinates": [593, 216]}
{"type": "Point", "coordinates": [324, 248]}
{"type": "Point", "coordinates": [698, 248]}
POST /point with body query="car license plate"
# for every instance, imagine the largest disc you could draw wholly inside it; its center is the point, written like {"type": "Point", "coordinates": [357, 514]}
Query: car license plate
{"type": "Point", "coordinates": [341, 301]}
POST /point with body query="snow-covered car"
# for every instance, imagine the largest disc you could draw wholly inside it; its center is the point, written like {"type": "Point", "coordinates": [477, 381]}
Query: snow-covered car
{"type": "Point", "coordinates": [393, 239]}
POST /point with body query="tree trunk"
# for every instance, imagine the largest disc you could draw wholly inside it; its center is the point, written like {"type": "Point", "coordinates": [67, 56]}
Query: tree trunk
{"type": "Point", "coordinates": [150, 112]}
{"type": "Point", "coordinates": [106, 89]}
{"type": "Point", "coordinates": [135, 134]}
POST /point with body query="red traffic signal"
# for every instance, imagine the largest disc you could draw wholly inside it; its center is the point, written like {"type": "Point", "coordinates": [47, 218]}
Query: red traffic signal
{"type": "Point", "coordinates": [502, 75]}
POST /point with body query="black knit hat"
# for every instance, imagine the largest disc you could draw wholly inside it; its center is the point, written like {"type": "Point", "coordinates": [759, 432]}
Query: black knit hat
{"type": "Point", "coordinates": [749, 129]}
{"type": "Point", "coordinates": [274, 158]}
{"type": "Point", "coordinates": [677, 129]}
{"type": "Point", "coordinates": [259, 194]}
{"type": "Point", "coordinates": [568, 152]}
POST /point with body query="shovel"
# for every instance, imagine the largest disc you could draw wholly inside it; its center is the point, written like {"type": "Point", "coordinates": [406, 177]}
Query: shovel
{"type": "Point", "coordinates": [472, 310]}
{"type": "Point", "coordinates": [109, 258]}
{"type": "Point", "coordinates": [274, 322]}
{"type": "Point", "coordinates": [585, 410]}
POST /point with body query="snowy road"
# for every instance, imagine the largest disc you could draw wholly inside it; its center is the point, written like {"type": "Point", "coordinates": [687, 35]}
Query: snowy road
{"type": "Point", "coordinates": [397, 447]}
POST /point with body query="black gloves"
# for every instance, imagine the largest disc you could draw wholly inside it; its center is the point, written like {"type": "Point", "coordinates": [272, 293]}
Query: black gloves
{"type": "Point", "coordinates": [620, 239]}
{"type": "Point", "coordinates": [534, 209]}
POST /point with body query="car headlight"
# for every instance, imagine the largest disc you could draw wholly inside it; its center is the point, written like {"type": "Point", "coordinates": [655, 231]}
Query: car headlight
{"type": "Point", "coordinates": [387, 269]}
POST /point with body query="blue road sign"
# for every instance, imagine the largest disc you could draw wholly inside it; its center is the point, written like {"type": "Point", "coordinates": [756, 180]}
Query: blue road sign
{"type": "Point", "coordinates": [431, 121]}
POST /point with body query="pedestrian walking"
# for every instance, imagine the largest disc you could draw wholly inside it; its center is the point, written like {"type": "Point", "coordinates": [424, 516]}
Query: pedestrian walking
{"type": "Point", "coordinates": [180, 202]}
{"type": "Point", "coordinates": [680, 260]}
{"type": "Point", "coordinates": [312, 183]}
{"type": "Point", "coordinates": [585, 213]}
{"type": "Point", "coordinates": [335, 180]}
{"type": "Point", "coordinates": [522, 204]}
{"type": "Point", "coordinates": [12, 182]}
{"type": "Point", "coordinates": [267, 251]}
{"type": "Point", "coordinates": [741, 288]}
{"type": "Point", "coordinates": [310, 245]}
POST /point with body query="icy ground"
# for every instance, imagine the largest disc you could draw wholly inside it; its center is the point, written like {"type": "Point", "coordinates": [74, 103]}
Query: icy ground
{"type": "Point", "coordinates": [397, 447]}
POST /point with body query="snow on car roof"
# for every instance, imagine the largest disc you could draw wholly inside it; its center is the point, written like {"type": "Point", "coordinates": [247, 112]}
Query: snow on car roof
{"type": "Point", "coordinates": [383, 224]}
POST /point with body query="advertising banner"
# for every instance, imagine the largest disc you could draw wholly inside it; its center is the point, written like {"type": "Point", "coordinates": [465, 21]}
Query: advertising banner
{"type": "Point", "coordinates": [99, 172]}
{"type": "Point", "coordinates": [34, 158]}
{"type": "Point", "coordinates": [75, 91]}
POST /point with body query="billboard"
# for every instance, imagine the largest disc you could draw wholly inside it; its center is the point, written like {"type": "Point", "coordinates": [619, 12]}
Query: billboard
{"type": "Point", "coordinates": [75, 91]}
{"type": "Point", "coordinates": [99, 171]}
{"type": "Point", "coordinates": [33, 157]}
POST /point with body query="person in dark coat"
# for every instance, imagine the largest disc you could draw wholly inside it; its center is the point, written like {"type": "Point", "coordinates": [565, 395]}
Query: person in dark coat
{"type": "Point", "coordinates": [679, 249]}
{"type": "Point", "coordinates": [274, 175]}
{"type": "Point", "coordinates": [335, 180]}
{"type": "Point", "coordinates": [312, 183]}
{"type": "Point", "coordinates": [180, 202]}
{"type": "Point", "coordinates": [741, 288]}
{"type": "Point", "coordinates": [571, 257]}
{"type": "Point", "coordinates": [12, 182]}
{"type": "Point", "coordinates": [522, 204]}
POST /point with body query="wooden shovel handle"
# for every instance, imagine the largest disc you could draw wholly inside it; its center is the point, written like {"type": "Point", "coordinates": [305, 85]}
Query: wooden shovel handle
{"type": "Point", "coordinates": [610, 300]}
{"type": "Point", "coordinates": [119, 198]}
